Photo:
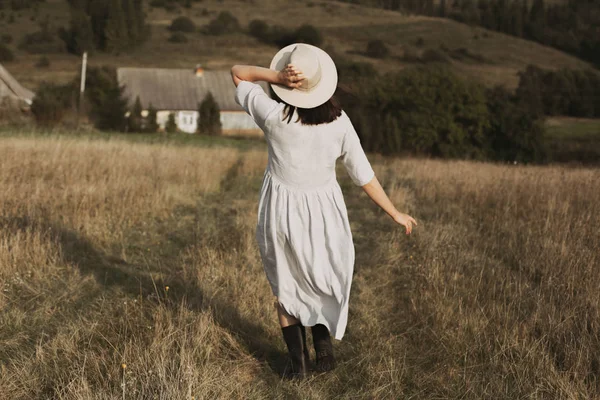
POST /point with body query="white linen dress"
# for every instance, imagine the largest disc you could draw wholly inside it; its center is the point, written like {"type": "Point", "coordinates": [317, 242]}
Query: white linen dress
{"type": "Point", "coordinates": [303, 230]}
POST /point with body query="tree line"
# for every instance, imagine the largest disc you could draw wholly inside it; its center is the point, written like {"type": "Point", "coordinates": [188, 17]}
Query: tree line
{"type": "Point", "coordinates": [575, 93]}
{"type": "Point", "coordinates": [430, 111]}
{"type": "Point", "coordinates": [106, 25]}
{"type": "Point", "coordinates": [571, 26]}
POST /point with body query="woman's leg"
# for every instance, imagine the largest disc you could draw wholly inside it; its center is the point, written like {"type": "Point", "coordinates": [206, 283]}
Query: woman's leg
{"type": "Point", "coordinates": [284, 318]}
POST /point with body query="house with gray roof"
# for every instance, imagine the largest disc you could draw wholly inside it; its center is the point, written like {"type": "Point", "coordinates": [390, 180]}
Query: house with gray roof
{"type": "Point", "coordinates": [11, 92]}
{"type": "Point", "coordinates": [180, 91]}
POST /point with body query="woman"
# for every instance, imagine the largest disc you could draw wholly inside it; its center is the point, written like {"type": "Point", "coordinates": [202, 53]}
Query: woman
{"type": "Point", "coordinates": [303, 231]}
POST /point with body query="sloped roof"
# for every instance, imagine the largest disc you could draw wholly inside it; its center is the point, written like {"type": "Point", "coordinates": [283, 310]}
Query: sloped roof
{"type": "Point", "coordinates": [179, 89]}
{"type": "Point", "coordinates": [13, 88]}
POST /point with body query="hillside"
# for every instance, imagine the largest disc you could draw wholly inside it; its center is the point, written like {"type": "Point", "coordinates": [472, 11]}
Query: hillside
{"type": "Point", "coordinates": [130, 270]}
{"type": "Point", "coordinates": [490, 57]}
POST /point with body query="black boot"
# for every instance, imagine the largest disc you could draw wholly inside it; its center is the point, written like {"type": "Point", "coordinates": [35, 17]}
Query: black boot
{"type": "Point", "coordinates": [306, 350]}
{"type": "Point", "coordinates": [293, 339]}
{"type": "Point", "coordinates": [323, 348]}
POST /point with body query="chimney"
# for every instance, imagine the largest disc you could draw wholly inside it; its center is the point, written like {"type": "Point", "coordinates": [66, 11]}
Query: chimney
{"type": "Point", "coordinates": [199, 70]}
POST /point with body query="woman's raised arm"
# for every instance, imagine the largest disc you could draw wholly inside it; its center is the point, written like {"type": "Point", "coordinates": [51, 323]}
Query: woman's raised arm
{"type": "Point", "coordinates": [290, 76]}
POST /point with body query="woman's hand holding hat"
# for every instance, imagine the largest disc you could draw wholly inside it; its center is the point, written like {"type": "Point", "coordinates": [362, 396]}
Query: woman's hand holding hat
{"type": "Point", "coordinates": [290, 77]}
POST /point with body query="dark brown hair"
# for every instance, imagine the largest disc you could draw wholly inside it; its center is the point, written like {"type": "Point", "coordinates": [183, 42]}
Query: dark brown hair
{"type": "Point", "coordinates": [323, 114]}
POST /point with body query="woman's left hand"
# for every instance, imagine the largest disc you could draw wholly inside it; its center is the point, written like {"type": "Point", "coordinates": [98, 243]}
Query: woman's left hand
{"type": "Point", "coordinates": [290, 77]}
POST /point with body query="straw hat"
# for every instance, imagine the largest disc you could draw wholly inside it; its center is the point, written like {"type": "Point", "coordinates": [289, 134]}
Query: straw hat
{"type": "Point", "coordinates": [318, 68]}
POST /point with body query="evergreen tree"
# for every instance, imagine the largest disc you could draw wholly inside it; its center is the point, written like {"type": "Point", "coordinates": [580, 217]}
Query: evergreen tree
{"type": "Point", "coordinates": [151, 123]}
{"type": "Point", "coordinates": [209, 116]}
{"type": "Point", "coordinates": [116, 32]}
{"type": "Point", "coordinates": [134, 123]}
{"type": "Point", "coordinates": [171, 125]}
{"type": "Point", "coordinates": [106, 98]}
{"type": "Point", "coordinates": [143, 29]}
{"type": "Point", "coordinates": [133, 30]}
{"type": "Point", "coordinates": [80, 37]}
{"type": "Point", "coordinates": [537, 20]}
{"type": "Point", "coordinates": [443, 12]}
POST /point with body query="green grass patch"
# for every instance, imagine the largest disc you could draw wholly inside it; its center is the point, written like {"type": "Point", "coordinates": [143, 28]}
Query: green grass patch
{"type": "Point", "coordinates": [176, 139]}
{"type": "Point", "coordinates": [573, 128]}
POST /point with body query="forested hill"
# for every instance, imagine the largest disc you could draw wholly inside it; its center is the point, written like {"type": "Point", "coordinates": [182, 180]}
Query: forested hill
{"type": "Point", "coordinates": [572, 26]}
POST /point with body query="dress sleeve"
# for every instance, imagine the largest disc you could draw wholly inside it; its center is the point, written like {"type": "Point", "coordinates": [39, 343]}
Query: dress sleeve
{"type": "Point", "coordinates": [255, 101]}
{"type": "Point", "coordinates": [354, 158]}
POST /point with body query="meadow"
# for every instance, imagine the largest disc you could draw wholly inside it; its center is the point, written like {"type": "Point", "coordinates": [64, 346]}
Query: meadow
{"type": "Point", "coordinates": [129, 270]}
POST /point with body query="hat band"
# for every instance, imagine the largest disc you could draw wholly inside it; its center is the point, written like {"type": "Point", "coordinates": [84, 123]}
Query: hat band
{"type": "Point", "coordinates": [312, 82]}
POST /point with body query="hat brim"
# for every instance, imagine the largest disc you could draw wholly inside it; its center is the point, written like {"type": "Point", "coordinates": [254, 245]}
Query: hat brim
{"type": "Point", "coordinates": [320, 93]}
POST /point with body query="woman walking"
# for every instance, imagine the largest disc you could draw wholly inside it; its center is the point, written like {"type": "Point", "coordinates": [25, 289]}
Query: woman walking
{"type": "Point", "coordinates": [303, 230]}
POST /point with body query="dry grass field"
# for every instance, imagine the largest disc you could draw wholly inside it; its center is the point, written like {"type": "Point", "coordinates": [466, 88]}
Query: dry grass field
{"type": "Point", "coordinates": [129, 270]}
{"type": "Point", "coordinates": [347, 28]}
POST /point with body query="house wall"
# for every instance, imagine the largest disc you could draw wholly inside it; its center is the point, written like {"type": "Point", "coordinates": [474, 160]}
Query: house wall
{"type": "Point", "coordinates": [187, 120]}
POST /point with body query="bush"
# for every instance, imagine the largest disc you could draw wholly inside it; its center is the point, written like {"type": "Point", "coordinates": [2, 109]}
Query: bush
{"type": "Point", "coordinates": [308, 34]}
{"type": "Point", "coordinates": [224, 23]}
{"type": "Point", "coordinates": [42, 41]}
{"type": "Point", "coordinates": [51, 103]}
{"type": "Point", "coordinates": [6, 54]}
{"type": "Point", "coordinates": [135, 122]}
{"type": "Point", "coordinates": [209, 116]}
{"type": "Point", "coordinates": [465, 54]}
{"type": "Point", "coordinates": [178, 37]}
{"type": "Point", "coordinates": [259, 29]}
{"type": "Point", "coordinates": [377, 49]}
{"type": "Point", "coordinates": [432, 55]}
{"type": "Point", "coordinates": [151, 123]}
{"type": "Point", "coordinates": [514, 133]}
{"type": "Point", "coordinates": [281, 36]}
{"type": "Point", "coordinates": [79, 38]}
{"type": "Point", "coordinates": [182, 24]}
{"type": "Point", "coordinates": [171, 125]}
{"type": "Point", "coordinates": [6, 38]}
{"type": "Point", "coordinates": [43, 62]}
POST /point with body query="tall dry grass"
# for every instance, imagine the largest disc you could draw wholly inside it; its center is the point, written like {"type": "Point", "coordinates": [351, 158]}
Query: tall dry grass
{"type": "Point", "coordinates": [115, 253]}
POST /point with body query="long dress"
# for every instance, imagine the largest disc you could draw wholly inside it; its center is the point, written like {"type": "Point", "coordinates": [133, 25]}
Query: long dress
{"type": "Point", "coordinates": [303, 232]}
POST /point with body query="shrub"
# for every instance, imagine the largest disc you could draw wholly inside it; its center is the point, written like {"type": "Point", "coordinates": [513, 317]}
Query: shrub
{"type": "Point", "coordinates": [411, 55]}
{"type": "Point", "coordinates": [42, 41]}
{"type": "Point", "coordinates": [50, 103]}
{"type": "Point", "coordinates": [6, 38]}
{"type": "Point", "coordinates": [171, 125]}
{"type": "Point", "coordinates": [308, 34]}
{"type": "Point", "coordinates": [259, 29]}
{"type": "Point", "coordinates": [80, 36]}
{"type": "Point", "coordinates": [464, 54]}
{"type": "Point", "coordinates": [432, 55]}
{"type": "Point", "coordinates": [6, 54]}
{"type": "Point", "coordinates": [281, 36]}
{"type": "Point", "coordinates": [135, 120]}
{"type": "Point", "coordinates": [43, 62]}
{"type": "Point", "coordinates": [209, 116]}
{"type": "Point", "coordinates": [514, 133]}
{"type": "Point", "coordinates": [377, 49]}
{"type": "Point", "coordinates": [182, 24]}
{"type": "Point", "coordinates": [178, 37]}
{"type": "Point", "coordinates": [224, 23]}
{"type": "Point", "coordinates": [151, 123]}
